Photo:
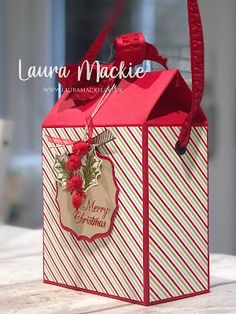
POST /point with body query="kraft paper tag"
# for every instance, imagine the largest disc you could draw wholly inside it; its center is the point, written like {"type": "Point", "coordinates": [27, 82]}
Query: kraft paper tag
{"type": "Point", "coordinates": [94, 218]}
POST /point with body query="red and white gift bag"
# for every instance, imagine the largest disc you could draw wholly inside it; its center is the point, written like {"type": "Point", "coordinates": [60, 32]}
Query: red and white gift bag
{"type": "Point", "coordinates": [125, 182]}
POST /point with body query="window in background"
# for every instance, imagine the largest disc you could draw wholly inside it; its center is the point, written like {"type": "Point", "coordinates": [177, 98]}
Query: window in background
{"type": "Point", "coordinates": [32, 31]}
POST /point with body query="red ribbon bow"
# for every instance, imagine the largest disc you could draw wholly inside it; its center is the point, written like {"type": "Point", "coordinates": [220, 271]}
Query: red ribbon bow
{"type": "Point", "coordinates": [130, 48]}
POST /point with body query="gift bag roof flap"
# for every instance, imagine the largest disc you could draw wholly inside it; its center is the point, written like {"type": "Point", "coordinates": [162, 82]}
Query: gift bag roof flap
{"type": "Point", "coordinates": [159, 98]}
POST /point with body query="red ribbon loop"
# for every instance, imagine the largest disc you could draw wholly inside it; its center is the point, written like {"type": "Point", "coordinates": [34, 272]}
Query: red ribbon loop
{"type": "Point", "coordinates": [133, 49]}
{"type": "Point", "coordinates": [129, 48]}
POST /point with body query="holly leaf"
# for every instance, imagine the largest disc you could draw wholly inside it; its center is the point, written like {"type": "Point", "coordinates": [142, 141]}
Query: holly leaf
{"type": "Point", "coordinates": [90, 170]}
{"type": "Point", "coordinates": [60, 168]}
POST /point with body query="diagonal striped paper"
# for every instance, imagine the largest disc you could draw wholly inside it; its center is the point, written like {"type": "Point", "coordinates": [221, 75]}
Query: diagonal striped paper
{"type": "Point", "coordinates": [177, 227]}
{"type": "Point", "coordinates": [112, 265]}
{"type": "Point", "coordinates": [178, 204]}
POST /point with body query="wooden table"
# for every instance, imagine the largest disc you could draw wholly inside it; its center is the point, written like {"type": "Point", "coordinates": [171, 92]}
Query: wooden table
{"type": "Point", "coordinates": [22, 290]}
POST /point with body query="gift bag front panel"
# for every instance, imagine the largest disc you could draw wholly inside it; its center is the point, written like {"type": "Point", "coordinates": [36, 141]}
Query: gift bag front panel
{"type": "Point", "coordinates": [112, 265]}
{"type": "Point", "coordinates": [178, 204]}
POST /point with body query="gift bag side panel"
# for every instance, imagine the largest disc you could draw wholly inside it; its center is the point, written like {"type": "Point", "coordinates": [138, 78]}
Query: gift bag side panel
{"type": "Point", "coordinates": [178, 203]}
{"type": "Point", "coordinates": [111, 266]}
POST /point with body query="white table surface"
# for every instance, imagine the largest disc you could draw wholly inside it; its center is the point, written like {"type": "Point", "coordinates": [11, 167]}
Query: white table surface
{"type": "Point", "coordinates": [22, 290]}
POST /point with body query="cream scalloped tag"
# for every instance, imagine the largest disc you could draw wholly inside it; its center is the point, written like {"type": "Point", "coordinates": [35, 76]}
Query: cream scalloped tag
{"type": "Point", "coordinates": [94, 218]}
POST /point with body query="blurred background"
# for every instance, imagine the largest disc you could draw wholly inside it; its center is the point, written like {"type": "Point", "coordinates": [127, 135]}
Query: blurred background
{"type": "Point", "coordinates": [55, 32]}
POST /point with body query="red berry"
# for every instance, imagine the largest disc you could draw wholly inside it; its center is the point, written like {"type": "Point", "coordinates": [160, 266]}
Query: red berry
{"type": "Point", "coordinates": [73, 163]}
{"type": "Point", "coordinates": [80, 148]}
{"type": "Point", "coordinates": [74, 184]}
{"type": "Point", "coordinates": [76, 200]}
{"type": "Point", "coordinates": [82, 194]}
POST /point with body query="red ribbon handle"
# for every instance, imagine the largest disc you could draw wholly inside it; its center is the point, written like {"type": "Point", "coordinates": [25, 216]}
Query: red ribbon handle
{"type": "Point", "coordinates": [197, 68]}
{"type": "Point", "coordinates": [132, 48]}
{"type": "Point", "coordinates": [97, 44]}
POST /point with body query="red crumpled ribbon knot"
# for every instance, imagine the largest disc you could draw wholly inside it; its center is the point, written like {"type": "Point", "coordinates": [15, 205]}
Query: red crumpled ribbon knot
{"type": "Point", "coordinates": [130, 48]}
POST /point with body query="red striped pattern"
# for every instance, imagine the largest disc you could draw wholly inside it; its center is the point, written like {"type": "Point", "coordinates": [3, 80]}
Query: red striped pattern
{"type": "Point", "coordinates": [113, 265]}
{"type": "Point", "coordinates": [178, 219]}
{"type": "Point", "coordinates": [178, 211]}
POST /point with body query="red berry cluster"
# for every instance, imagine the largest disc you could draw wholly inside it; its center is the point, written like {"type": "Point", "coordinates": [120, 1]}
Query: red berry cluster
{"type": "Point", "coordinates": [73, 165]}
